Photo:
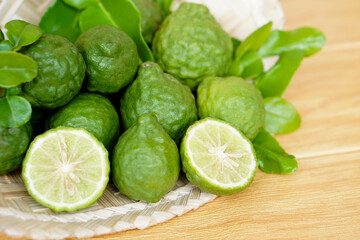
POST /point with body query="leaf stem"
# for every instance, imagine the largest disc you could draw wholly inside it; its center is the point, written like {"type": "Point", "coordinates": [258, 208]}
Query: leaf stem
{"type": "Point", "coordinates": [2, 92]}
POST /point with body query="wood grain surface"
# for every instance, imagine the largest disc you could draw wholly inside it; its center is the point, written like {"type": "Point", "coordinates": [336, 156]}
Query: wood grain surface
{"type": "Point", "coordinates": [321, 200]}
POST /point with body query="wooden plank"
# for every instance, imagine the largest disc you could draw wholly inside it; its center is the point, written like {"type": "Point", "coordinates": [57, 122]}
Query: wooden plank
{"type": "Point", "coordinates": [338, 19]}
{"type": "Point", "coordinates": [326, 92]}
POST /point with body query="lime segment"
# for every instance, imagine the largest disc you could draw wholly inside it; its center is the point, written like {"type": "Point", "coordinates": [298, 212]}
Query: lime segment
{"type": "Point", "coordinates": [217, 157]}
{"type": "Point", "coordinates": [66, 169]}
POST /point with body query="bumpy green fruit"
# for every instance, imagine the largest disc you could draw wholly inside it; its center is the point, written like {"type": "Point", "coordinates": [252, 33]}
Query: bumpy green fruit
{"type": "Point", "coordinates": [13, 145]}
{"type": "Point", "coordinates": [145, 161]}
{"type": "Point", "coordinates": [157, 92]}
{"type": "Point", "coordinates": [151, 17]}
{"type": "Point", "coordinates": [93, 112]}
{"type": "Point", "coordinates": [61, 71]}
{"type": "Point", "coordinates": [111, 58]}
{"type": "Point", "coordinates": [190, 45]}
{"type": "Point", "coordinates": [233, 100]}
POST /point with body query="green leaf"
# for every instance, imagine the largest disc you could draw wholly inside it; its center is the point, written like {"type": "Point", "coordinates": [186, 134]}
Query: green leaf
{"type": "Point", "coordinates": [61, 19]}
{"type": "Point", "coordinates": [2, 37]}
{"type": "Point", "coordinates": [16, 68]}
{"type": "Point", "coordinates": [252, 43]}
{"type": "Point", "coordinates": [274, 82]}
{"type": "Point", "coordinates": [251, 64]}
{"type": "Point", "coordinates": [281, 116]}
{"type": "Point", "coordinates": [119, 13]}
{"type": "Point", "coordinates": [309, 40]}
{"type": "Point", "coordinates": [15, 111]}
{"type": "Point", "coordinates": [254, 40]}
{"type": "Point", "coordinates": [271, 156]}
{"type": "Point", "coordinates": [80, 4]}
{"type": "Point", "coordinates": [5, 46]}
{"type": "Point", "coordinates": [236, 42]}
{"type": "Point", "coordinates": [165, 5]}
{"type": "Point", "coordinates": [21, 33]}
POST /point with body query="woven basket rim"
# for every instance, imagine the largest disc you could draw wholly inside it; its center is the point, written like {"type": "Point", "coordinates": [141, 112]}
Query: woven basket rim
{"type": "Point", "coordinates": [8, 211]}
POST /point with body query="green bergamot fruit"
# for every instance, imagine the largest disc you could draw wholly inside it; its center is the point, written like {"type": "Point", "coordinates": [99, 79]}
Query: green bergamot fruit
{"type": "Point", "coordinates": [233, 100]}
{"type": "Point", "coordinates": [151, 17]}
{"type": "Point", "coordinates": [190, 45]}
{"type": "Point", "coordinates": [157, 92]}
{"type": "Point", "coordinates": [13, 145]}
{"type": "Point", "coordinates": [111, 58]}
{"type": "Point", "coordinates": [93, 112]}
{"type": "Point", "coordinates": [61, 71]}
{"type": "Point", "coordinates": [145, 161]}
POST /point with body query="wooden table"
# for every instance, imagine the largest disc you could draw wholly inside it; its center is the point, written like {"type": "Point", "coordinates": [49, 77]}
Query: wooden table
{"type": "Point", "coordinates": [321, 200]}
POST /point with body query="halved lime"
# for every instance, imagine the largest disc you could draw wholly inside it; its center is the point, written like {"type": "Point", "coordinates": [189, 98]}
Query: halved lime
{"type": "Point", "coordinates": [218, 158]}
{"type": "Point", "coordinates": [66, 169]}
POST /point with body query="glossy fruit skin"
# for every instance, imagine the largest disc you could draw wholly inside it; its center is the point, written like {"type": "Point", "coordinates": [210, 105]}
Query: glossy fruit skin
{"type": "Point", "coordinates": [13, 145]}
{"type": "Point", "coordinates": [151, 17]}
{"type": "Point", "coordinates": [145, 161]}
{"type": "Point", "coordinates": [92, 112]}
{"type": "Point", "coordinates": [61, 71]}
{"type": "Point", "coordinates": [111, 58]}
{"type": "Point", "coordinates": [157, 92]}
{"type": "Point", "coordinates": [190, 45]}
{"type": "Point", "coordinates": [233, 100]}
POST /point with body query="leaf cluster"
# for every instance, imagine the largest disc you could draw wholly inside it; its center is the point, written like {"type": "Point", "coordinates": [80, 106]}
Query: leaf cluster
{"type": "Point", "coordinates": [16, 69]}
{"type": "Point", "coordinates": [70, 18]}
{"type": "Point", "coordinates": [291, 47]}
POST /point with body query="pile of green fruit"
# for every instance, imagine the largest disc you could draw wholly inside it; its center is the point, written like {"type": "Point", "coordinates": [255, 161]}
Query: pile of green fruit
{"type": "Point", "coordinates": [150, 91]}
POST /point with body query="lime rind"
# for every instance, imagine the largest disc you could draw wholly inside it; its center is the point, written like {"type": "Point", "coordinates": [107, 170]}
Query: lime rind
{"type": "Point", "coordinates": [200, 178]}
{"type": "Point", "coordinates": [60, 206]}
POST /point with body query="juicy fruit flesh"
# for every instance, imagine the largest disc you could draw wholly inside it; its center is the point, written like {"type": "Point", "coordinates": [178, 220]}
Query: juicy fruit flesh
{"type": "Point", "coordinates": [220, 154]}
{"type": "Point", "coordinates": [66, 169]}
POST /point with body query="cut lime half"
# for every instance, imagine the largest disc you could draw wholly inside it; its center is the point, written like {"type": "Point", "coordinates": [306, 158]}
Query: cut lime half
{"type": "Point", "coordinates": [218, 158]}
{"type": "Point", "coordinates": [66, 169]}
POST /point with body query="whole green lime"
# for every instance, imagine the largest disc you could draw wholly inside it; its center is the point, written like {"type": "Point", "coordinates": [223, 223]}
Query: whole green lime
{"type": "Point", "coordinates": [111, 58]}
{"type": "Point", "coordinates": [93, 112]}
{"type": "Point", "coordinates": [233, 100]}
{"type": "Point", "coordinates": [151, 17]}
{"type": "Point", "coordinates": [61, 71]}
{"type": "Point", "coordinates": [190, 45]}
{"type": "Point", "coordinates": [157, 92]}
{"type": "Point", "coordinates": [13, 145]}
{"type": "Point", "coordinates": [145, 161]}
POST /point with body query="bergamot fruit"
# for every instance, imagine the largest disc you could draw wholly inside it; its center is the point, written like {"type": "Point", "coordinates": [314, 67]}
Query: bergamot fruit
{"type": "Point", "coordinates": [217, 157]}
{"type": "Point", "coordinates": [13, 145]}
{"type": "Point", "coordinates": [154, 91]}
{"type": "Point", "coordinates": [145, 161]}
{"type": "Point", "coordinates": [233, 100]}
{"type": "Point", "coordinates": [151, 17]}
{"type": "Point", "coordinates": [93, 112]}
{"type": "Point", "coordinates": [61, 71]}
{"type": "Point", "coordinates": [66, 169]}
{"type": "Point", "coordinates": [190, 45]}
{"type": "Point", "coordinates": [111, 58]}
